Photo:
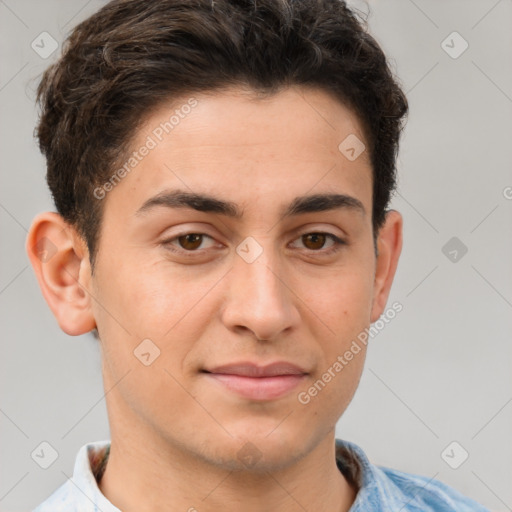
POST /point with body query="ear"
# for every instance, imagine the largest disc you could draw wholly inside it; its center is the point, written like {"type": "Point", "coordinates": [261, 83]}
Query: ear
{"type": "Point", "coordinates": [389, 245]}
{"type": "Point", "coordinates": [60, 260]}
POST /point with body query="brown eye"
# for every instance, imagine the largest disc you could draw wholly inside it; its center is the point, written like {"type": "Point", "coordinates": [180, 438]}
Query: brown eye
{"type": "Point", "coordinates": [314, 241]}
{"type": "Point", "coordinates": [190, 241]}
{"type": "Point", "coordinates": [189, 244]}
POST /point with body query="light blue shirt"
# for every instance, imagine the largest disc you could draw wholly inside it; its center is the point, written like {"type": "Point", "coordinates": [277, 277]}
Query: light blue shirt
{"type": "Point", "coordinates": [380, 489]}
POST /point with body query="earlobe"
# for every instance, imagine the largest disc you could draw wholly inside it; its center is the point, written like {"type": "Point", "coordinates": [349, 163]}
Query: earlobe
{"type": "Point", "coordinates": [389, 249]}
{"type": "Point", "coordinates": [60, 261]}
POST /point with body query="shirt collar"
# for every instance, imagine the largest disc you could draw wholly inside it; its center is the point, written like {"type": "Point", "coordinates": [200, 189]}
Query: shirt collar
{"type": "Point", "coordinates": [90, 463]}
{"type": "Point", "coordinates": [376, 490]}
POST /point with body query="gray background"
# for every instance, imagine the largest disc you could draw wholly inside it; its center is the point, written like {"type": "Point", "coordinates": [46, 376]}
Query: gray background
{"type": "Point", "coordinates": [439, 372]}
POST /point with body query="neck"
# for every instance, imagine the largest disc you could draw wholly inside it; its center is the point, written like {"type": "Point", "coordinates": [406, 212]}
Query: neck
{"type": "Point", "coordinates": [153, 475]}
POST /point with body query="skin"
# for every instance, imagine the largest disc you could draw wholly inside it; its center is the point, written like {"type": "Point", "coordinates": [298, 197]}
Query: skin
{"type": "Point", "coordinates": [294, 303]}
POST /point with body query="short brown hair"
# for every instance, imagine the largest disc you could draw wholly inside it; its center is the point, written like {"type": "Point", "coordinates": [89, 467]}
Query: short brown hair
{"type": "Point", "coordinates": [132, 55]}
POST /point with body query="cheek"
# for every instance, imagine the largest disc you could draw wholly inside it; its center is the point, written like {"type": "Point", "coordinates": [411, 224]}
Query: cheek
{"type": "Point", "coordinates": [149, 298]}
{"type": "Point", "coordinates": [344, 305]}
{"type": "Point", "coordinates": [173, 301]}
{"type": "Point", "coordinates": [146, 311]}
{"type": "Point", "coordinates": [344, 302]}
{"type": "Point", "coordinates": [331, 389]}
{"type": "Point", "coordinates": [345, 308]}
{"type": "Point", "coordinates": [158, 302]}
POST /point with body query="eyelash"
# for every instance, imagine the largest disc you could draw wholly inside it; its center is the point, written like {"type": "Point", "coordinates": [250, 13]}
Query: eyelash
{"type": "Point", "coordinates": [338, 243]}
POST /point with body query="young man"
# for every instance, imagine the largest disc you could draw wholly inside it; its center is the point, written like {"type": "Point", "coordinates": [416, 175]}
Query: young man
{"type": "Point", "coordinates": [222, 172]}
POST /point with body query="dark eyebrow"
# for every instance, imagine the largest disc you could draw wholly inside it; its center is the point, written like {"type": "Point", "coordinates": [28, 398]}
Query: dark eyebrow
{"type": "Point", "coordinates": [210, 204]}
{"type": "Point", "coordinates": [184, 199]}
{"type": "Point", "coordinates": [323, 202]}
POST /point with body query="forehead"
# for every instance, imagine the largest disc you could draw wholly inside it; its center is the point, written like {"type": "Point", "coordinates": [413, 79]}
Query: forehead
{"type": "Point", "coordinates": [233, 143]}
{"type": "Point", "coordinates": [241, 118]}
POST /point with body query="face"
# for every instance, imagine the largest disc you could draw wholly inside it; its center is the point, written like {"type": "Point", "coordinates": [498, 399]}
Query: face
{"type": "Point", "coordinates": [245, 300]}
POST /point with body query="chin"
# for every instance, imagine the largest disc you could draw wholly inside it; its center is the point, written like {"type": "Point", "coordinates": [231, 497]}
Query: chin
{"type": "Point", "coordinates": [260, 446]}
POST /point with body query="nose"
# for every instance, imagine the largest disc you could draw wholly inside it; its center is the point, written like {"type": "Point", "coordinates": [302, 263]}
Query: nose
{"type": "Point", "coordinates": [260, 300]}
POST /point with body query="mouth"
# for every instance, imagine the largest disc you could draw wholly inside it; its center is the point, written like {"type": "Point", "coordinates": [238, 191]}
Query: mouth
{"type": "Point", "coordinates": [256, 382]}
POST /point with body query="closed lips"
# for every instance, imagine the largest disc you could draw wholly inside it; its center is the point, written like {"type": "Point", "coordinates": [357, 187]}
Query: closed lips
{"type": "Point", "coordinates": [255, 371]}
{"type": "Point", "coordinates": [258, 383]}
